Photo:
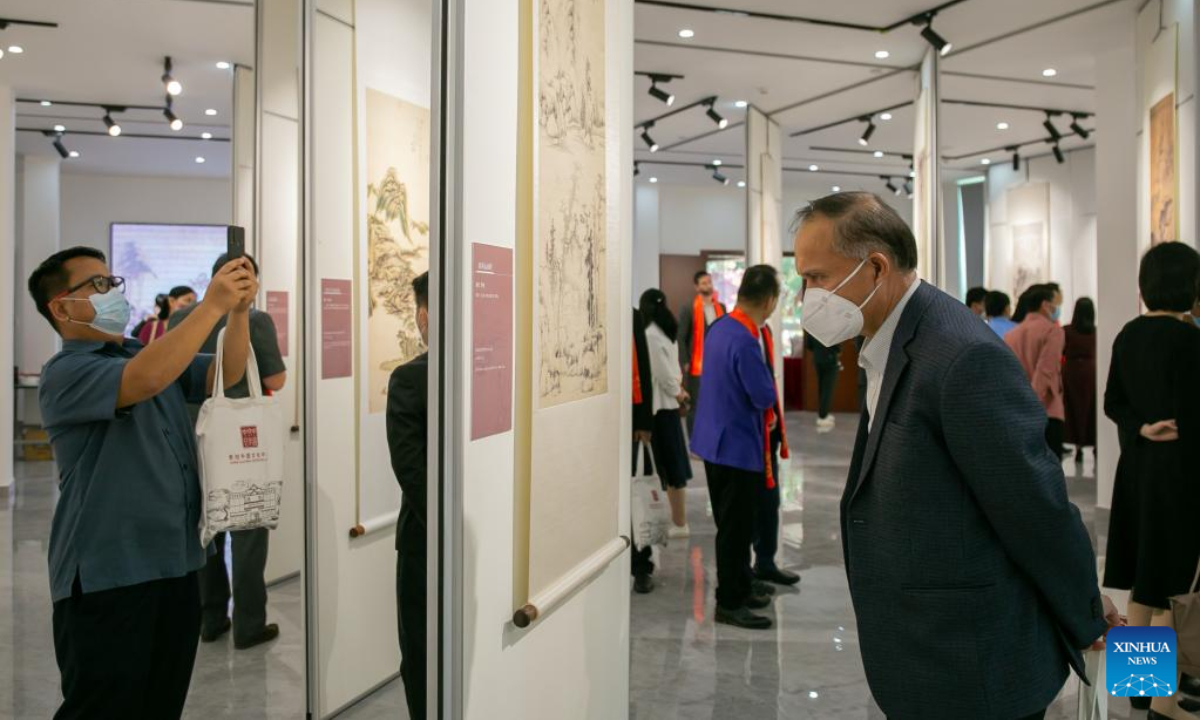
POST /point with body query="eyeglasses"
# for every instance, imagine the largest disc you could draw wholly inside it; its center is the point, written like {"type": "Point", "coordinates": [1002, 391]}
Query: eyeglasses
{"type": "Point", "coordinates": [102, 283]}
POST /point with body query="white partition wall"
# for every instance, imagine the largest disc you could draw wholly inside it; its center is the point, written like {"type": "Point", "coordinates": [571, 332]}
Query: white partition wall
{"type": "Point", "coordinates": [8, 262]}
{"type": "Point", "coordinates": [764, 203]}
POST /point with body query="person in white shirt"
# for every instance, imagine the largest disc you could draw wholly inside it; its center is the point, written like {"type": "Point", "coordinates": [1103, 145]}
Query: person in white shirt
{"type": "Point", "coordinates": [667, 439]}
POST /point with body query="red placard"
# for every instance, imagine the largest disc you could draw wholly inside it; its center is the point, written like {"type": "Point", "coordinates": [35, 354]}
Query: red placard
{"type": "Point", "coordinates": [277, 308]}
{"type": "Point", "coordinates": [491, 340]}
{"type": "Point", "coordinates": [336, 325]}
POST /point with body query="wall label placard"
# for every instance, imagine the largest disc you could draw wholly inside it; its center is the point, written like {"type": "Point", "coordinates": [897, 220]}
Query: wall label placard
{"type": "Point", "coordinates": [337, 322]}
{"type": "Point", "coordinates": [491, 340]}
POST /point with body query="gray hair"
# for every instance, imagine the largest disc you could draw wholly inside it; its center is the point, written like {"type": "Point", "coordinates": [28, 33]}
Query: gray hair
{"type": "Point", "coordinates": [863, 224]}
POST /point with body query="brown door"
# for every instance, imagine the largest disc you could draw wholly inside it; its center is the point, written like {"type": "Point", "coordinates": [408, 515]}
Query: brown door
{"type": "Point", "coordinates": [675, 273]}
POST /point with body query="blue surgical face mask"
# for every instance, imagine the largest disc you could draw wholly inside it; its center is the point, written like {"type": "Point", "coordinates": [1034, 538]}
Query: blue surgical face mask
{"type": "Point", "coordinates": [1056, 314]}
{"type": "Point", "coordinates": [112, 312]}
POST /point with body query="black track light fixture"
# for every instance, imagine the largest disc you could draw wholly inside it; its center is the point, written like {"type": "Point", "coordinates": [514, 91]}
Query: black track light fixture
{"type": "Point", "coordinates": [1048, 123]}
{"type": "Point", "coordinates": [113, 128]}
{"type": "Point", "coordinates": [714, 115]}
{"type": "Point", "coordinates": [637, 169]}
{"type": "Point", "coordinates": [889, 184]}
{"type": "Point", "coordinates": [907, 189]}
{"type": "Point", "coordinates": [172, 85]}
{"type": "Point", "coordinates": [58, 144]}
{"type": "Point", "coordinates": [1058, 154]}
{"type": "Point", "coordinates": [716, 175]}
{"type": "Point", "coordinates": [866, 136]}
{"type": "Point", "coordinates": [658, 93]}
{"type": "Point", "coordinates": [647, 139]}
{"type": "Point", "coordinates": [1078, 129]}
{"type": "Point", "coordinates": [172, 119]}
{"type": "Point", "coordinates": [939, 43]}
{"type": "Point", "coordinates": [1016, 156]}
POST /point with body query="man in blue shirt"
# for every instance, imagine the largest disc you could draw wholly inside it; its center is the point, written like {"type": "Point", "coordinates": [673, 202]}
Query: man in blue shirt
{"type": "Point", "coordinates": [733, 417]}
{"type": "Point", "coordinates": [125, 539]}
{"type": "Point", "coordinates": [999, 313]}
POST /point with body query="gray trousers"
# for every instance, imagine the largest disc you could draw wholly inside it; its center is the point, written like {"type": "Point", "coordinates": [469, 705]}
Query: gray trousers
{"type": "Point", "coordinates": [249, 587]}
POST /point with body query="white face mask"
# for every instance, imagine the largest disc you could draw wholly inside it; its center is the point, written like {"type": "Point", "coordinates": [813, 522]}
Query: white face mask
{"type": "Point", "coordinates": [831, 318]}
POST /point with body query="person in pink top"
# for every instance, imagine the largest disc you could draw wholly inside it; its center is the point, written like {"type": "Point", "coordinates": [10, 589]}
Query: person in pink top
{"type": "Point", "coordinates": [180, 297]}
{"type": "Point", "coordinates": [1038, 343]}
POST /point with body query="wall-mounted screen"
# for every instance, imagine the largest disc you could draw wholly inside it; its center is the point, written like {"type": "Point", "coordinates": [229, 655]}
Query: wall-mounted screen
{"type": "Point", "coordinates": [155, 258]}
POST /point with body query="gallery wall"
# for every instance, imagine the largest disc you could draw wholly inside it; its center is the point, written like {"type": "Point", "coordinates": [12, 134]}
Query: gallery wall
{"type": "Point", "coordinates": [574, 663]}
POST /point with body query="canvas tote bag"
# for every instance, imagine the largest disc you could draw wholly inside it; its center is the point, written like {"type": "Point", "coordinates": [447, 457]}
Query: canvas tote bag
{"type": "Point", "coordinates": [240, 442]}
{"type": "Point", "coordinates": [648, 505]}
{"type": "Point", "coordinates": [1185, 613]}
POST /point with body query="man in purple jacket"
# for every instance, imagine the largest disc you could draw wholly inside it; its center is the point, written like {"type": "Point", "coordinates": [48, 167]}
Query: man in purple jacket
{"type": "Point", "coordinates": [737, 398]}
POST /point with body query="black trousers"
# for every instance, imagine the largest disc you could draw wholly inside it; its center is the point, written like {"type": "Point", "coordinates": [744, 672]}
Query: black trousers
{"type": "Point", "coordinates": [127, 652]}
{"type": "Point", "coordinates": [1055, 430]}
{"type": "Point", "coordinates": [410, 621]}
{"type": "Point", "coordinates": [249, 587]}
{"type": "Point", "coordinates": [827, 375]}
{"type": "Point", "coordinates": [766, 520]}
{"type": "Point", "coordinates": [732, 493]}
{"type": "Point", "coordinates": [691, 383]}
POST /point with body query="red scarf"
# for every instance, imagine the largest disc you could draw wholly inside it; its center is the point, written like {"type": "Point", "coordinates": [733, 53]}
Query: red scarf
{"type": "Point", "coordinates": [772, 414]}
{"type": "Point", "coordinates": [637, 377]}
{"type": "Point", "coordinates": [698, 327]}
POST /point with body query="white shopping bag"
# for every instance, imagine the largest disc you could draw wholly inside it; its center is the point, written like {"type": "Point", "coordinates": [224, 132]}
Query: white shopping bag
{"type": "Point", "coordinates": [240, 442]}
{"type": "Point", "coordinates": [648, 505]}
{"type": "Point", "coordinates": [1093, 701]}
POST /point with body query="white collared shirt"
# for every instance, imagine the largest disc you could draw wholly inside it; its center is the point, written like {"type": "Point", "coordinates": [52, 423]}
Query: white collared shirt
{"type": "Point", "coordinates": [873, 358]}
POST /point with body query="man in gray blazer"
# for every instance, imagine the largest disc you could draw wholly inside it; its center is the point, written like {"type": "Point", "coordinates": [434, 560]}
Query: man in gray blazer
{"type": "Point", "coordinates": [972, 576]}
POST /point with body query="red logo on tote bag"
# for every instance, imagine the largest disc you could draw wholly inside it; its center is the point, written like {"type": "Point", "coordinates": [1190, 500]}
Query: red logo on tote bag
{"type": "Point", "coordinates": [250, 436]}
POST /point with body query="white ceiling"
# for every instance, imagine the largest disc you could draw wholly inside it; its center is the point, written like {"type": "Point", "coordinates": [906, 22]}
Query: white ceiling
{"type": "Point", "coordinates": [111, 51]}
{"type": "Point", "coordinates": [806, 76]}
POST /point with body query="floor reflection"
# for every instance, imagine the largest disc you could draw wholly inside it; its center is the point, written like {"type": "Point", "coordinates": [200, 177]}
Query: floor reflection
{"type": "Point", "coordinates": [684, 667]}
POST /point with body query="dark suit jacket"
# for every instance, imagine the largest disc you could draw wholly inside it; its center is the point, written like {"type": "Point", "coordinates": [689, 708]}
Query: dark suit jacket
{"type": "Point", "coordinates": [972, 575]}
{"type": "Point", "coordinates": [407, 435]}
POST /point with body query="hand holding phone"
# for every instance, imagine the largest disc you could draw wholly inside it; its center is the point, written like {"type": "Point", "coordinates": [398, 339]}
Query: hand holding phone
{"type": "Point", "coordinates": [235, 242]}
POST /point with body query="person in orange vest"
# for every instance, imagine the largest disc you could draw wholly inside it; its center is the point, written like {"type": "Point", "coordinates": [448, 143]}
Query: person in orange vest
{"type": "Point", "coordinates": [694, 320]}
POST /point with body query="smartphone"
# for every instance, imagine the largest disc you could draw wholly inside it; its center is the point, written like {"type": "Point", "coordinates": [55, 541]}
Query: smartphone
{"type": "Point", "coordinates": [235, 242]}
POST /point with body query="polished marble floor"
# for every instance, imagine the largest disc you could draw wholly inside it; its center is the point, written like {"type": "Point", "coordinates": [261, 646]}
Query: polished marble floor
{"type": "Point", "coordinates": [684, 667]}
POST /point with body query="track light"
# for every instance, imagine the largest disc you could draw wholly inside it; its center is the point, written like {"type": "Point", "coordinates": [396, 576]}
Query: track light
{"type": "Point", "coordinates": [938, 42]}
{"type": "Point", "coordinates": [891, 186]}
{"type": "Point", "coordinates": [637, 169]}
{"type": "Point", "coordinates": [113, 128]}
{"type": "Point", "coordinates": [647, 139]}
{"type": "Point", "coordinates": [170, 83]}
{"type": "Point", "coordinates": [659, 94]}
{"type": "Point", "coordinates": [907, 189]}
{"type": "Point", "coordinates": [1016, 157]}
{"type": "Point", "coordinates": [1048, 123]}
{"type": "Point", "coordinates": [718, 176]}
{"type": "Point", "coordinates": [716, 116]}
{"type": "Point", "coordinates": [866, 136]}
{"type": "Point", "coordinates": [1078, 129]}
{"type": "Point", "coordinates": [172, 119]}
{"type": "Point", "coordinates": [58, 145]}
{"type": "Point", "coordinates": [1058, 154]}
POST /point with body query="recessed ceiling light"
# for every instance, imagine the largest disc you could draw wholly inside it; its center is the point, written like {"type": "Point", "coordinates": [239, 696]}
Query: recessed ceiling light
{"type": "Point", "coordinates": [1049, 72]}
{"type": "Point", "coordinates": [985, 161]}
{"type": "Point", "coordinates": [687, 33]}
{"type": "Point", "coordinates": [206, 136]}
{"type": "Point", "coordinates": [814, 168]}
{"type": "Point", "coordinates": [199, 160]}
{"type": "Point", "coordinates": [653, 179]}
{"type": "Point", "coordinates": [1001, 126]}
{"type": "Point", "coordinates": [741, 183]}
{"type": "Point", "coordinates": [210, 112]}
{"type": "Point", "coordinates": [741, 104]}
{"type": "Point", "coordinates": [885, 116]}
{"type": "Point", "coordinates": [74, 153]}
{"type": "Point", "coordinates": [837, 188]}
{"type": "Point", "coordinates": [716, 162]}
{"type": "Point", "coordinates": [60, 128]}
{"type": "Point", "coordinates": [882, 54]}
{"type": "Point", "coordinates": [46, 103]}
{"type": "Point", "coordinates": [878, 153]}
{"type": "Point", "coordinates": [222, 65]}
{"type": "Point", "coordinates": [16, 49]}
{"type": "Point", "coordinates": [912, 173]}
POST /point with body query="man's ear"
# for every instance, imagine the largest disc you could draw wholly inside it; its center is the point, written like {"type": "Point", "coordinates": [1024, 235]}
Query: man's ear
{"type": "Point", "coordinates": [57, 311]}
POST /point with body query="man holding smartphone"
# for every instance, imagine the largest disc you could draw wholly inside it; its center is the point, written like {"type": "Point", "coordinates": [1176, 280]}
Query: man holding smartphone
{"type": "Point", "coordinates": [124, 545]}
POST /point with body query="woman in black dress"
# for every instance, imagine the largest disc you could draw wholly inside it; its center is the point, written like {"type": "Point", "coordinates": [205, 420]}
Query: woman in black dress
{"type": "Point", "coordinates": [1079, 377]}
{"type": "Point", "coordinates": [1153, 396]}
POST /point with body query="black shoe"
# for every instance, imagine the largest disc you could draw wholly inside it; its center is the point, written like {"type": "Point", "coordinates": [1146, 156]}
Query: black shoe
{"type": "Point", "coordinates": [1140, 703]}
{"type": "Point", "coordinates": [742, 618]}
{"type": "Point", "coordinates": [1188, 704]}
{"type": "Point", "coordinates": [643, 583]}
{"type": "Point", "coordinates": [1189, 685]}
{"type": "Point", "coordinates": [212, 634]}
{"type": "Point", "coordinates": [757, 587]}
{"type": "Point", "coordinates": [777, 576]}
{"type": "Point", "coordinates": [267, 634]}
{"type": "Point", "coordinates": [758, 602]}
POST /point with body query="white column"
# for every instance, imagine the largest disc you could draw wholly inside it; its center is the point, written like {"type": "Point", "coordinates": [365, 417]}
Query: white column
{"type": "Point", "coordinates": [8, 263]}
{"type": "Point", "coordinates": [646, 238]}
{"type": "Point", "coordinates": [243, 153]}
{"type": "Point", "coordinates": [1116, 229]}
{"type": "Point", "coordinates": [764, 203]}
{"type": "Point", "coordinates": [37, 237]}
